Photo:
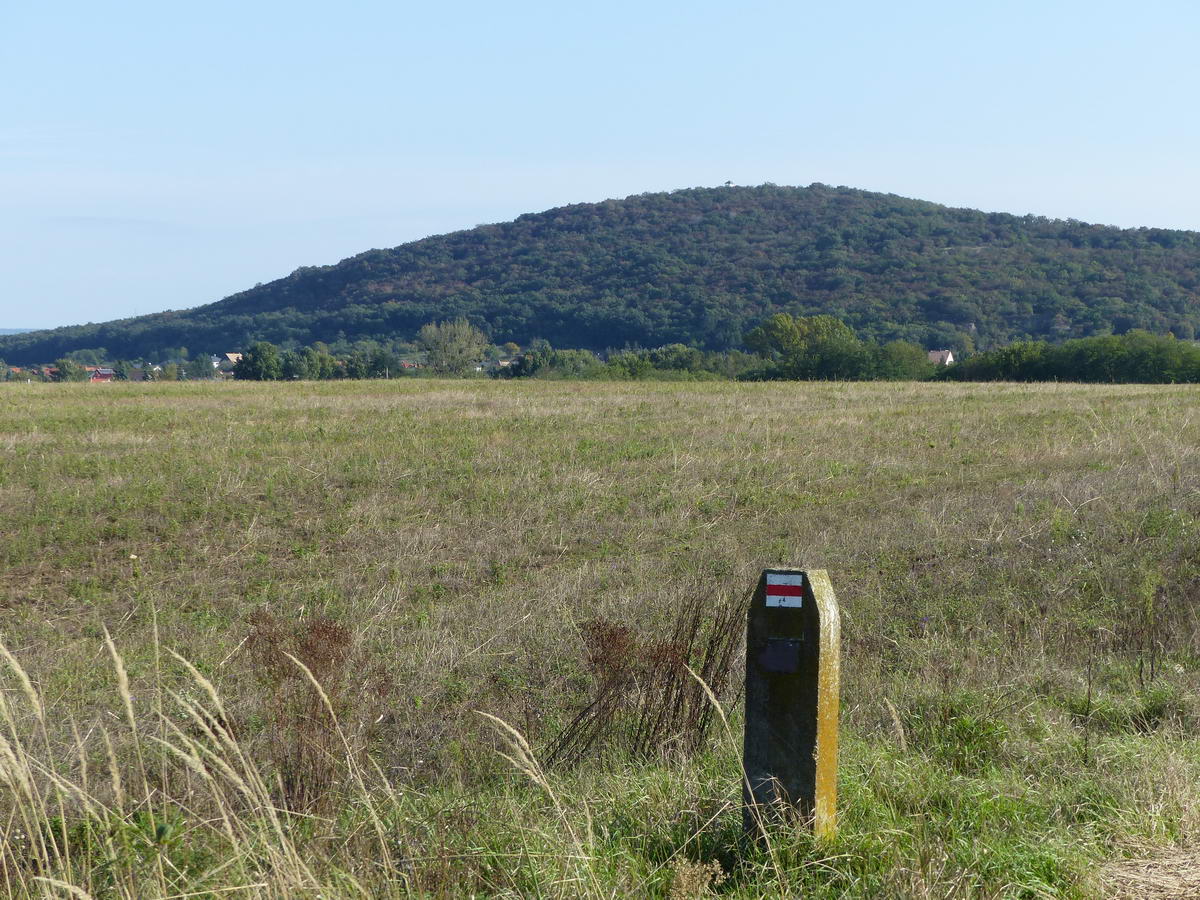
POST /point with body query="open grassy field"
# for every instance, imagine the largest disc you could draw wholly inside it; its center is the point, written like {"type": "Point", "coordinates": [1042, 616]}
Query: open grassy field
{"type": "Point", "coordinates": [1018, 569]}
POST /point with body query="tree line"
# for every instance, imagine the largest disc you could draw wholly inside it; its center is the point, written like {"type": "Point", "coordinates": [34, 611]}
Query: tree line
{"type": "Point", "coordinates": [783, 347]}
{"type": "Point", "coordinates": [1135, 357]}
{"type": "Point", "coordinates": [453, 347]}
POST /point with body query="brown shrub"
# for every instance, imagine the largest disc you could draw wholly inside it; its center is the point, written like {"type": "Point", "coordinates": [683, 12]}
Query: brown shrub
{"type": "Point", "coordinates": [313, 732]}
{"type": "Point", "coordinates": [644, 700]}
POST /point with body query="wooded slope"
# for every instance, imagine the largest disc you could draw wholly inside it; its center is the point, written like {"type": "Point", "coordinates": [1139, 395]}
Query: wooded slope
{"type": "Point", "coordinates": [701, 266]}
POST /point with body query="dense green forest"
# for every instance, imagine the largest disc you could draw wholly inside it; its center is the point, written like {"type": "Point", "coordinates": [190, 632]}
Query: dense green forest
{"type": "Point", "coordinates": [702, 267]}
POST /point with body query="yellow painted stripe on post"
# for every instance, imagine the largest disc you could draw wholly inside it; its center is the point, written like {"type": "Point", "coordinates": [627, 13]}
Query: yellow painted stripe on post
{"type": "Point", "coordinates": [828, 702]}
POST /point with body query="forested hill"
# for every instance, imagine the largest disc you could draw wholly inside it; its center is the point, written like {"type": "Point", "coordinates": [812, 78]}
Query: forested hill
{"type": "Point", "coordinates": [700, 267]}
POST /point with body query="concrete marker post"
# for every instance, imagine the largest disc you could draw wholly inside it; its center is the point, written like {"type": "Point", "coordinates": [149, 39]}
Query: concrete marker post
{"type": "Point", "coordinates": [792, 696]}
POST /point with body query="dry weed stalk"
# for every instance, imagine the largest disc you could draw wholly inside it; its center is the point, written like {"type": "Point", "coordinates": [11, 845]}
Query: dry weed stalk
{"type": "Point", "coordinates": [692, 880]}
{"type": "Point", "coordinates": [314, 679]}
{"type": "Point", "coordinates": [643, 699]}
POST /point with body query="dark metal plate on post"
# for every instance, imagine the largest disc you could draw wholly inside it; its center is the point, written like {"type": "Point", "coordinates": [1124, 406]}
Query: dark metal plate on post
{"type": "Point", "coordinates": [781, 655]}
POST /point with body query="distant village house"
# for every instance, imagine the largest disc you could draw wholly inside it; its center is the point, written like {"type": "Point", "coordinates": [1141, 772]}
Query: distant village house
{"type": "Point", "coordinates": [941, 357]}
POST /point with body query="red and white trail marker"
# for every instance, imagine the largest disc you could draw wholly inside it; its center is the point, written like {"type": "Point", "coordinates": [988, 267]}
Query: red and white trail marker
{"type": "Point", "coordinates": [785, 590]}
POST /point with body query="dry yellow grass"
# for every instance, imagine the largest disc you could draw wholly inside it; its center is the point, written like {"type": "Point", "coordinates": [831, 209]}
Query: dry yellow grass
{"type": "Point", "coordinates": [1174, 877]}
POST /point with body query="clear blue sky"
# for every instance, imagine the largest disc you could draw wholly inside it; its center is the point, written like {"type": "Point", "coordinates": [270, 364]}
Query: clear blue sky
{"type": "Point", "coordinates": [158, 155]}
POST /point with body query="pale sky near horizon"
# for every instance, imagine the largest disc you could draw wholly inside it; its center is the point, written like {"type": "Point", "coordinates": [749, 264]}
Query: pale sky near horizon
{"type": "Point", "coordinates": [159, 156]}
